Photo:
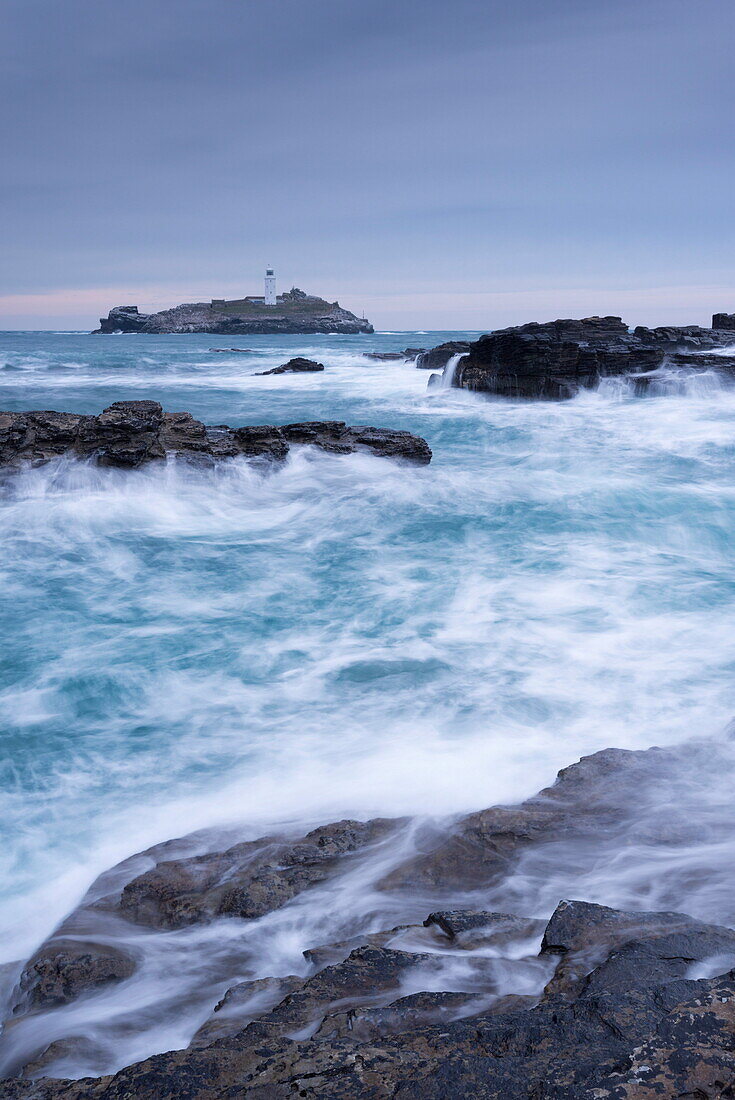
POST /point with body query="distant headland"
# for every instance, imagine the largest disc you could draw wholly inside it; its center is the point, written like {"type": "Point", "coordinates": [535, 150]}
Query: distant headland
{"type": "Point", "coordinates": [267, 314]}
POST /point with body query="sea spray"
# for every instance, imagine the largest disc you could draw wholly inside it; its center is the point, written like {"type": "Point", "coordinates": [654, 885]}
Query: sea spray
{"type": "Point", "coordinates": [197, 647]}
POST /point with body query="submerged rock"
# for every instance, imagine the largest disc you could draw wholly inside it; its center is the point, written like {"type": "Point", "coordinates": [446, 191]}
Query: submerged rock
{"type": "Point", "coordinates": [294, 366]}
{"type": "Point", "coordinates": [393, 356]}
{"type": "Point", "coordinates": [556, 359]}
{"type": "Point", "coordinates": [131, 433]}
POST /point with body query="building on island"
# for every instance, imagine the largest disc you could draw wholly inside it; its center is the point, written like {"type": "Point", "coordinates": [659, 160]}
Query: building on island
{"type": "Point", "coordinates": [267, 299]}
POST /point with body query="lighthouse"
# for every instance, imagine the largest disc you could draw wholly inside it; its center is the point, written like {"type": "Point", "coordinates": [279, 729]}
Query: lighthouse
{"type": "Point", "coordinates": [270, 287]}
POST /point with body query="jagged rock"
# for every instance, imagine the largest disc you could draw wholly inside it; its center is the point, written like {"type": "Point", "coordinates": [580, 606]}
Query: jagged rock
{"type": "Point", "coordinates": [386, 1021]}
{"type": "Point", "coordinates": [633, 1034]}
{"type": "Point", "coordinates": [226, 351]}
{"type": "Point", "coordinates": [438, 357]}
{"type": "Point", "coordinates": [293, 366]}
{"type": "Point", "coordinates": [558, 358]}
{"type": "Point", "coordinates": [248, 879]}
{"type": "Point", "coordinates": [584, 934]}
{"type": "Point", "coordinates": [724, 321]}
{"type": "Point", "coordinates": [61, 970]}
{"type": "Point", "coordinates": [294, 312]}
{"type": "Point", "coordinates": [131, 433]}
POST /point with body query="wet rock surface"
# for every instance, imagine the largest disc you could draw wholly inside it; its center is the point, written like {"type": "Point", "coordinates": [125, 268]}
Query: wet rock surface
{"type": "Point", "coordinates": [394, 356]}
{"type": "Point", "coordinates": [595, 1003]}
{"type": "Point", "coordinates": [298, 365]}
{"type": "Point", "coordinates": [554, 360]}
{"type": "Point", "coordinates": [438, 357]}
{"type": "Point", "coordinates": [129, 434]}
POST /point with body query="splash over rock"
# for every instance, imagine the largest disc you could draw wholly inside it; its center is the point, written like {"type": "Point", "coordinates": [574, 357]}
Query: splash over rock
{"type": "Point", "coordinates": [556, 359]}
{"type": "Point", "coordinates": [131, 433]}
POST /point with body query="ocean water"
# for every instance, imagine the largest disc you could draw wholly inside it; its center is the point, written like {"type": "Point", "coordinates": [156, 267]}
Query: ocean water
{"type": "Point", "coordinates": [345, 636]}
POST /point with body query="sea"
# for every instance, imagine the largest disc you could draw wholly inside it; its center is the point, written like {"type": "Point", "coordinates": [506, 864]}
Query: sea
{"type": "Point", "coordinates": [191, 647]}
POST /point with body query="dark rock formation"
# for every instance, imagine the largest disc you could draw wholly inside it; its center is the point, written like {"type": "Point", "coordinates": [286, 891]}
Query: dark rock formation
{"type": "Point", "coordinates": [632, 1028]}
{"type": "Point", "coordinates": [131, 433]}
{"type": "Point", "coordinates": [226, 351]}
{"type": "Point", "coordinates": [294, 312]}
{"type": "Point", "coordinates": [388, 356]}
{"type": "Point", "coordinates": [294, 366]}
{"type": "Point", "coordinates": [248, 879]}
{"type": "Point", "coordinates": [62, 971]}
{"type": "Point", "coordinates": [438, 357]}
{"type": "Point", "coordinates": [724, 321]}
{"type": "Point", "coordinates": [557, 359]}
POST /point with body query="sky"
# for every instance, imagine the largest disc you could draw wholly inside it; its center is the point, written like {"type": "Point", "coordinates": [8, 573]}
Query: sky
{"type": "Point", "coordinates": [466, 164]}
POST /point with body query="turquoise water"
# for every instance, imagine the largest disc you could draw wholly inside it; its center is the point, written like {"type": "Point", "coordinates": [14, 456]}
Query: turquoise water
{"type": "Point", "coordinates": [343, 635]}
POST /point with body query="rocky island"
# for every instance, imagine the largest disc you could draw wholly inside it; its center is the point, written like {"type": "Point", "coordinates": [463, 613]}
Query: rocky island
{"type": "Point", "coordinates": [293, 312]}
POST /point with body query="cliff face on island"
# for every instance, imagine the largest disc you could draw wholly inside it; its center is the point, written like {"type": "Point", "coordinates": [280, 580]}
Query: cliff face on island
{"type": "Point", "coordinates": [294, 312]}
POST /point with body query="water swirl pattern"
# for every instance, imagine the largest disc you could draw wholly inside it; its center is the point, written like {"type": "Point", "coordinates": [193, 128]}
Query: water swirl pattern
{"type": "Point", "coordinates": [343, 636]}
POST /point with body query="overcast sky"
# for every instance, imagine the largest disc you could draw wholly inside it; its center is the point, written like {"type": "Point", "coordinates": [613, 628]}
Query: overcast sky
{"type": "Point", "coordinates": [453, 164]}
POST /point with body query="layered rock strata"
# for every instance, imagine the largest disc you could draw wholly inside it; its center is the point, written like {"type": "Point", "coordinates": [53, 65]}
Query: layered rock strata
{"type": "Point", "coordinates": [556, 359]}
{"type": "Point", "coordinates": [131, 433]}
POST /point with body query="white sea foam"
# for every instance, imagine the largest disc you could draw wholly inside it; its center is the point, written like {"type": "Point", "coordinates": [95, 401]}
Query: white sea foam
{"type": "Point", "coordinates": [345, 637]}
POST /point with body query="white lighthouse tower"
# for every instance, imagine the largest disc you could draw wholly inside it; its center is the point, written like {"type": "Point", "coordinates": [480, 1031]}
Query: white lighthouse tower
{"type": "Point", "coordinates": [270, 287]}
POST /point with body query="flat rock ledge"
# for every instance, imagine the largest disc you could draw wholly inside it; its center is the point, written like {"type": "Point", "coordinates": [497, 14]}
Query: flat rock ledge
{"type": "Point", "coordinates": [294, 366]}
{"type": "Point", "coordinates": [611, 1004]}
{"type": "Point", "coordinates": [129, 434]}
{"type": "Point", "coordinates": [556, 359]}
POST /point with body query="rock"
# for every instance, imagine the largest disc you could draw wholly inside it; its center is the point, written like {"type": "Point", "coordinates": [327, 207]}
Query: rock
{"type": "Point", "coordinates": [556, 359]}
{"type": "Point", "coordinates": [337, 437]}
{"type": "Point", "coordinates": [438, 357]}
{"type": "Point", "coordinates": [294, 366]}
{"type": "Point", "coordinates": [585, 934]}
{"type": "Point", "coordinates": [470, 929]}
{"type": "Point", "coordinates": [294, 312]}
{"type": "Point", "coordinates": [243, 1003]}
{"type": "Point", "coordinates": [246, 880]}
{"type": "Point", "coordinates": [390, 356]}
{"type": "Point", "coordinates": [62, 970]}
{"type": "Point", "coordinates": [364, 1025]}
{"type": "Point", "coordinates": [129, 434]}
{"type": "Point", "coordinates": [399, 1015]}
{"type": "Point", "coordinates": [636, 1035]}
{"type": "Point", "coordinates": [724, 321]}
{"type": "Point", "coordinates": [227, 351]}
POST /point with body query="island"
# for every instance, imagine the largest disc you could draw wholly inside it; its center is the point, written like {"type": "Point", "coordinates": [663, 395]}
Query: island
{"type": "Point", "coordinates": [293, 312]}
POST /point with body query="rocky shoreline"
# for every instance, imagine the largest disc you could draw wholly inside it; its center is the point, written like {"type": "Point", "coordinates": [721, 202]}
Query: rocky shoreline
{"type": "Point", "coordinates": [557, 359]}
{"type": "Point", "coordinates": [463, 1001]}
{"type": "Point", "coordinates": [129, 434]}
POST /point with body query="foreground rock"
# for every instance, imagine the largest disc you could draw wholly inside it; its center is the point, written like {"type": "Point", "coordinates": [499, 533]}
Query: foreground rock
{"type": "Point", "coordinates": [294, 366]}
{"type": "Point", "coordinates": [633, 1026]}
{"type": "Point", "coordinates": [131, 433]}
{"type": "Point", "coordinates": [556, 359]}
{"type": "Point", "coordinates": [594, 1004]}
{"type": "Point", "coordinates": [294, 312]}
